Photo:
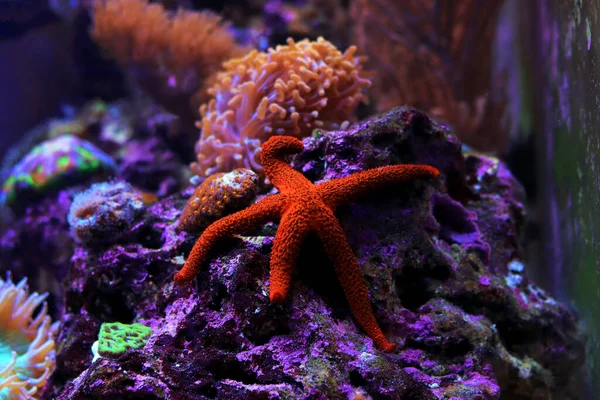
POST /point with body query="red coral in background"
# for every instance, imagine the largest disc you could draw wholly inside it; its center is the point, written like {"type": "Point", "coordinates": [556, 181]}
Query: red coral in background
{"type": "Point", "coordinates": [436, 55]}
{"type": "Point", "coordinates": [171, 55]}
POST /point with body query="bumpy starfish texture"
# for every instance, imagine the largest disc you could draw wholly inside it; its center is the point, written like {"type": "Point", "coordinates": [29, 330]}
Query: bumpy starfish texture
{"type": "Point", "coordinates": [302, 207]}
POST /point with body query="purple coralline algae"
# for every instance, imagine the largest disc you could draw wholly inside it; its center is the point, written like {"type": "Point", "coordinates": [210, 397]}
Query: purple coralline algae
{"type": "Point", "coordinates": [442, 263]}
{"type": "Point", "coordinates": [151, 165]}
{"type": "Point", "coordinates": [42, 221]}
{"type": "Point", "coordinates": [52, 165]}
{"type": "Point", "coordinates": [105, 212]}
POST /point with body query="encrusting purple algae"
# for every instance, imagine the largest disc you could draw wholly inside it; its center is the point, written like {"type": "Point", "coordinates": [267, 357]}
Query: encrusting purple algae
{"type": "Point", "coordinates": [441, 262]}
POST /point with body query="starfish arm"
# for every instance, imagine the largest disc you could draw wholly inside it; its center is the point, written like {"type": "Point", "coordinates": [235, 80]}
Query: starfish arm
{"type": "Point", "coordinates": [279, 172]}
{"type": "Point", "coordinates": [339, 191]}
{"type": "Point", "coordinates": [243, 221]}
{"type": "Point", "coordinates": [351, 278]}
{"type": "Point", "coordinates": [292, 230]}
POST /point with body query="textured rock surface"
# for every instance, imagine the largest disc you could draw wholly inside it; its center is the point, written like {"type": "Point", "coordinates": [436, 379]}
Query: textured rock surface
{"type": "Point", "coordinates": [441, 262]}
{"type": "Point", "coordinates": [147, 162]}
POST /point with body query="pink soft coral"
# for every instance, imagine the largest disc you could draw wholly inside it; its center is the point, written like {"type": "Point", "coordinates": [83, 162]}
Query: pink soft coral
{"type": "Point", "coordinates": [289, 90]}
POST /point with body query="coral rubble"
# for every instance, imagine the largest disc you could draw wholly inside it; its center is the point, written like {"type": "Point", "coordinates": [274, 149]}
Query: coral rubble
{"type": "Point", "coordinates": [441, 264]}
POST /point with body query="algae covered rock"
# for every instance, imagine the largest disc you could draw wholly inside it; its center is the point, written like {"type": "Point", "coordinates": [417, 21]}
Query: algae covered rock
{"type": "Point", "coordinates": [105, 212]}
{"type": "Point", "coordinates": [441, 261]}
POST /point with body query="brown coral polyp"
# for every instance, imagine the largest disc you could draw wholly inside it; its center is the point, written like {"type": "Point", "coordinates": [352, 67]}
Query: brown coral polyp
{"type": "Point", "coordinates": [219, 195]}
{"type": "Point", "coordinates": [289, 90]}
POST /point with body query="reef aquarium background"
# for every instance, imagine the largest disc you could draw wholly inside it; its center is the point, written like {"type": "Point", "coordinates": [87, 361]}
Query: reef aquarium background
{"type": "Point", "coordinates": [299, 199]}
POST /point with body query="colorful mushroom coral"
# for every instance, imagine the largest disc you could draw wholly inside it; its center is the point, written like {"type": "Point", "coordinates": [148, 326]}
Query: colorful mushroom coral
{"type": "Point", "coordinates": [54, 164]}
{"type": "Point", "coordinates": [289, 90]}
{"type": "Point", "coordinates": [26, 341]}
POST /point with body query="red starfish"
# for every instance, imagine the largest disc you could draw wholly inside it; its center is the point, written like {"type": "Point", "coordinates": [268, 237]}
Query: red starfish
{"type": "Point", "coordinates": [302, 207]}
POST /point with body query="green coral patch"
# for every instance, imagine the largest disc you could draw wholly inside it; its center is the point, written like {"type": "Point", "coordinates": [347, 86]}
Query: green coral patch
{"type": "Point", "coordinates": [116, 338]}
